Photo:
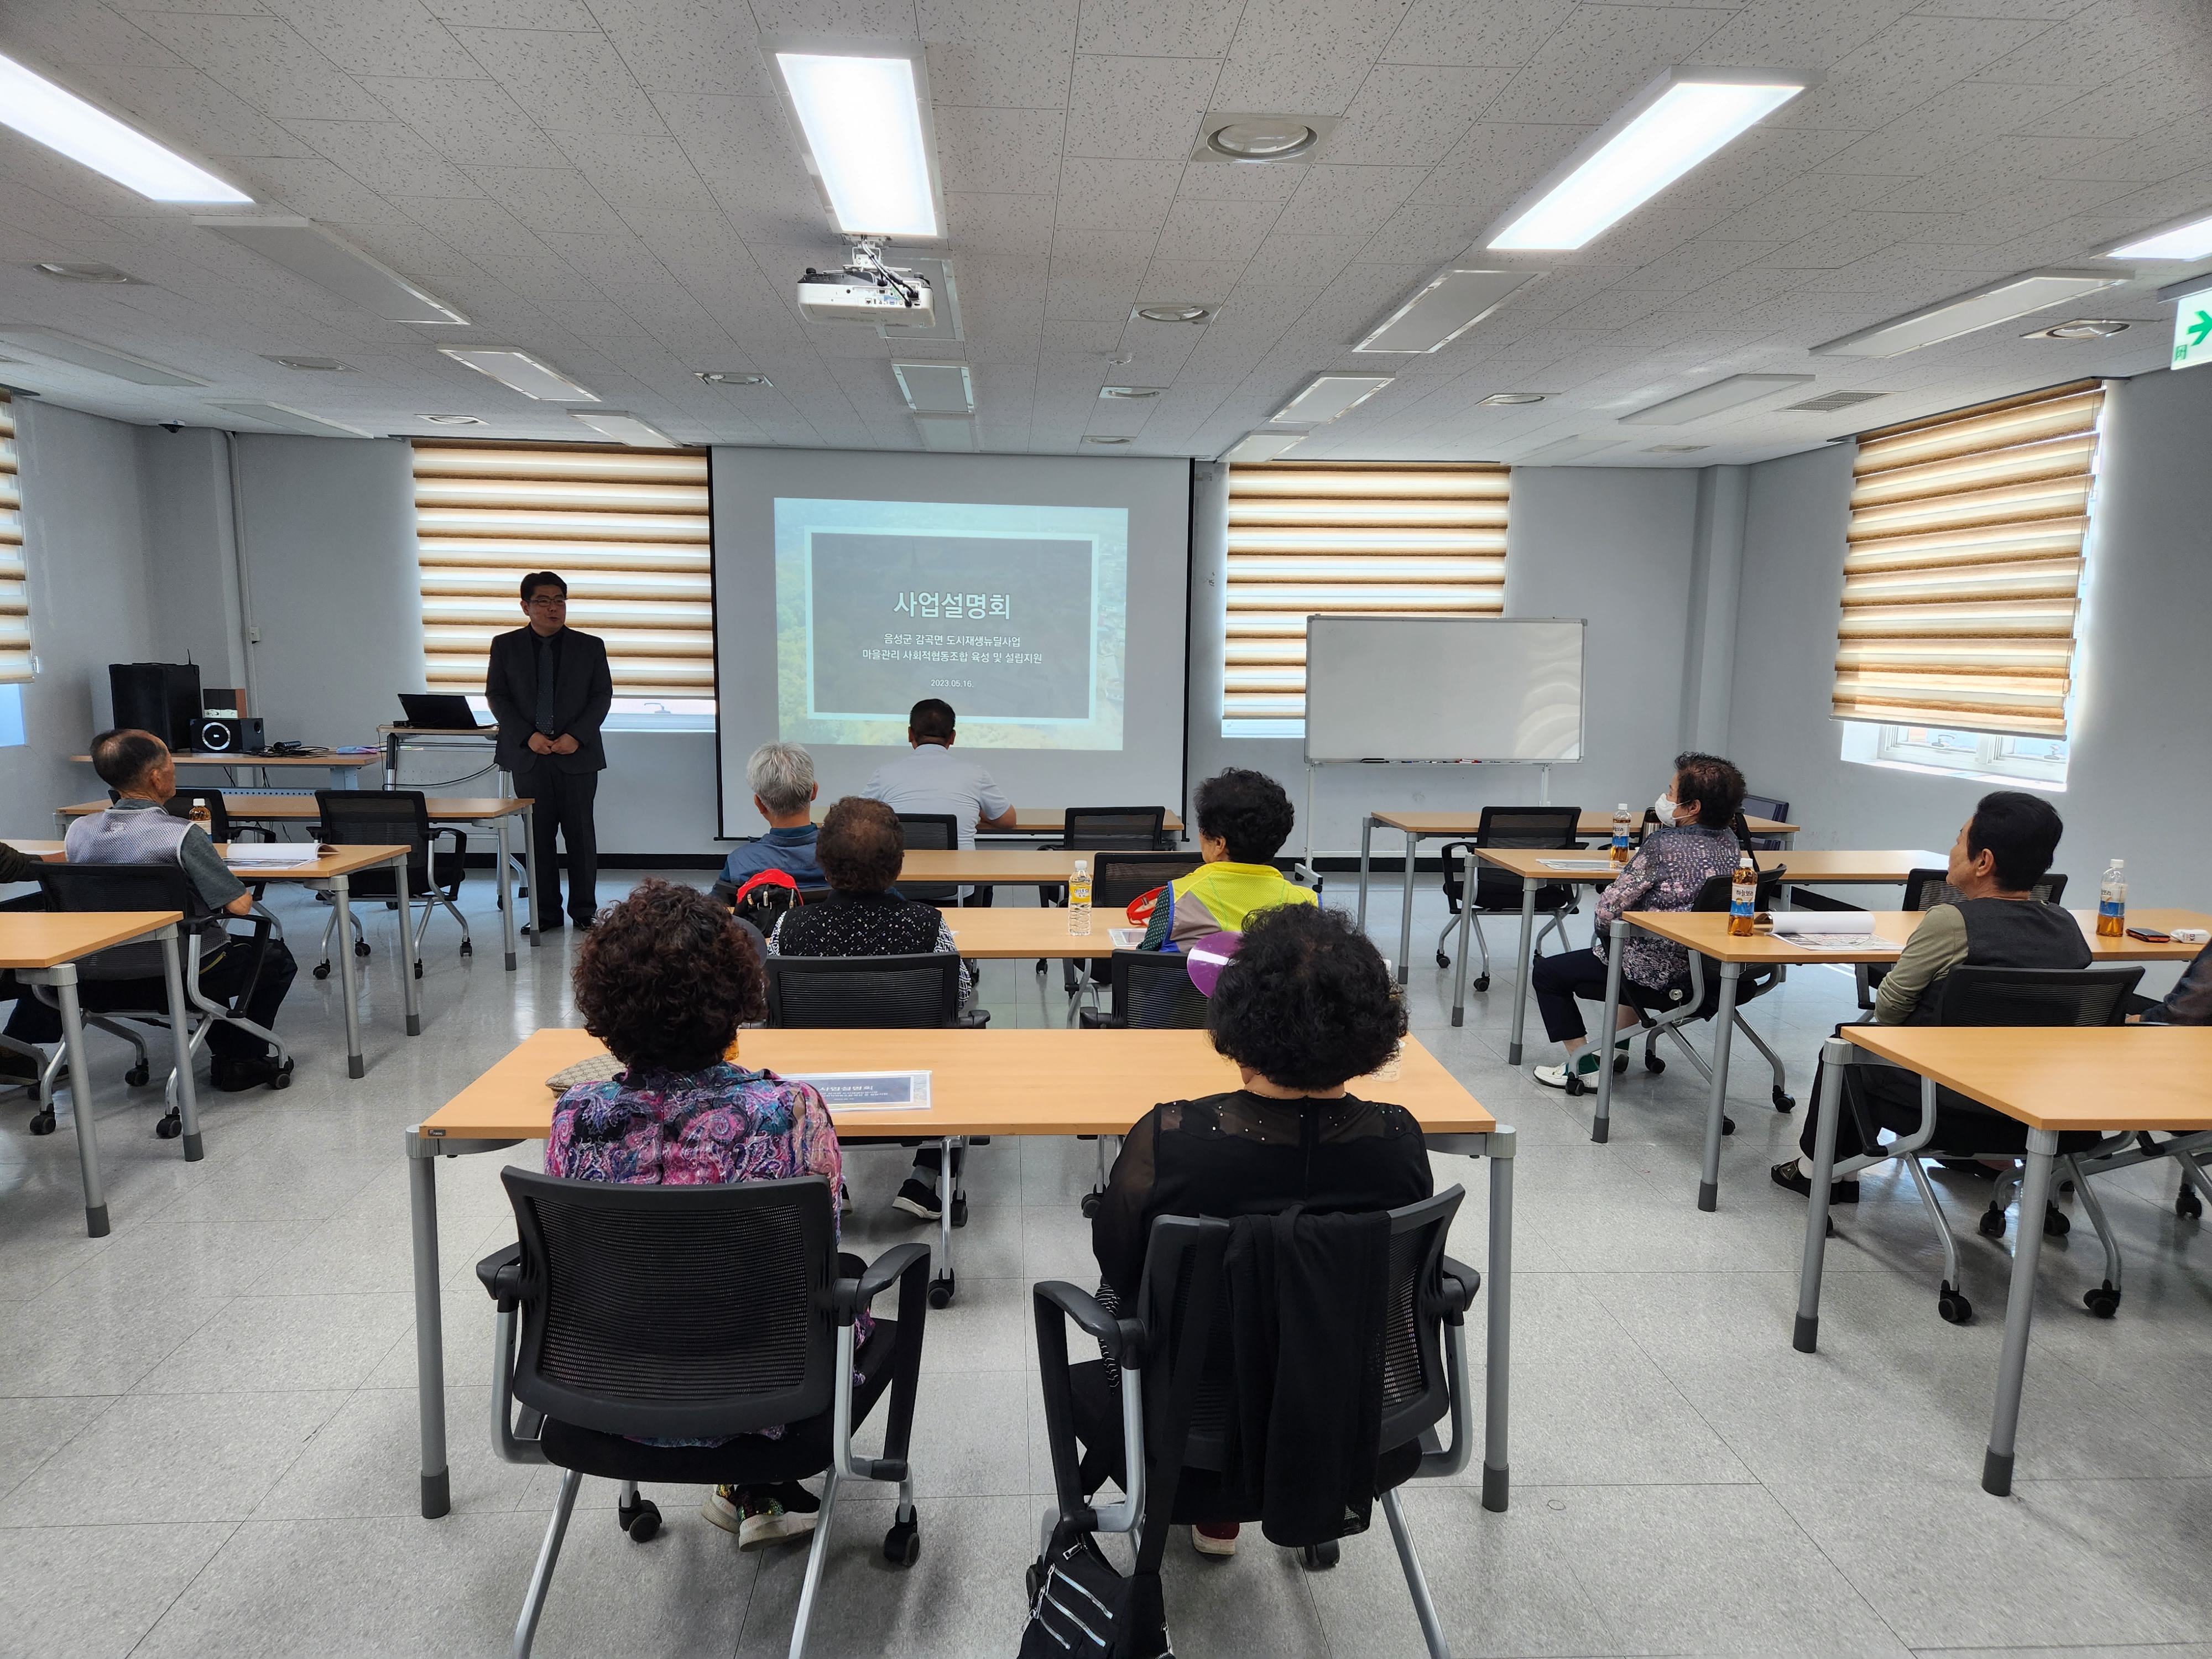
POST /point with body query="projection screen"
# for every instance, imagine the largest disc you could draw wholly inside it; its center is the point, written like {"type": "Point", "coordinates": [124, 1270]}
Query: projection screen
{"type": "Point", "coordinates": [1043, 598]}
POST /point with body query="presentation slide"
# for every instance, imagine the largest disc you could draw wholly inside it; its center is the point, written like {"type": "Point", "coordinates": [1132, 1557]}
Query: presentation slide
{"type": "Point", "coordinates": [1017, 616]}
{"type": "Point", "coordinates": [1030, 592]}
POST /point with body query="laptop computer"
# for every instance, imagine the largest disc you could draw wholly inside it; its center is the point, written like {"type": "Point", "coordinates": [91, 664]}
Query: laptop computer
{"type": "Point", "coordinates": [440, 711]}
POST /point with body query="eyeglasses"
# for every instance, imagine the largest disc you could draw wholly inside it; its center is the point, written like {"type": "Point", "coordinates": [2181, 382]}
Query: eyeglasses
{"type": "Point", "coordinates": [550, 600]}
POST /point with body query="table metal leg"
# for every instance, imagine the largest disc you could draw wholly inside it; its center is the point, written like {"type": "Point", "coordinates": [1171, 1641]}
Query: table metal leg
{"type": "Point", "coordinates": [2019, 1308]}
{"type": "Point", "coordinates": [1405, 916]}
{"type": "Point", "coordinates": [1835, 1053]}
{"type": "Point", "coordinates": [1601, 1120]}
{"type": "Point", "coordinates": [1709, 1184]}
{"type": "Point", "coordinates": [506, 891]}
{"type": "Point", "coordinates": [530, 873]}
{"type": "Point", "coordinates": [188, 1105]}
{"type": "Point", "coordinates": [411, 960]}
{"type": "Point", "coordinates": [1498, 1372]}
{"type": "Point", "coordinates": [88, 1136]}
{"type": "Point", "coordinates": [1465, 917]}
{"type": "Point", "coordinates": [429, 1326]}
{"type": "Point", "coordinates": [348, 977]}
{"type": "Point", "coordinates": [1366, 845]}
{"type": "Point", "coordinates": [1528, 955]}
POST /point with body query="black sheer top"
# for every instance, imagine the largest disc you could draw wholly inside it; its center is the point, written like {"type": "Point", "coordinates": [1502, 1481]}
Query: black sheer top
{"type": "Point", "coordinates": [1240, 1154]}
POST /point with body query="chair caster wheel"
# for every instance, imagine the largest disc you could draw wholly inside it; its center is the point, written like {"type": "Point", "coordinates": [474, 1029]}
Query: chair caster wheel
{"type": "Point", "coordinates": [137, 1076]}
{"type": "Point", "coordinates": [169, 1128]}
{"type": "Point", "coordinates": [418, 970]}
{"type": "Point", "coordinates": [2056, 1223]}
{"type": "Point", "coordinates": [2186, 1203]}
{"type": "Point", "coordinates": [1784, 1101]}
{"type": "Point", "coordinates": [960, 1212]}
{"type": "Point", "coordinates": [1319, 1558]}
{"type": "Point", "coordinates": [1443, 961]}
{"type": "Point", "coordinates": [640, 1520]}
{"type": "Point", "coordinates": [361, 947]}
{"type": "Point", "coordinates": [902, 1543]}
{"type": "Point", "coordinates": [1482, 981]}
{"type": "Point", "coordinates": [1954, 1308]}
{"type": "Point", "coordinates": [284, 1078]}
{"type": "Point", "coordinates": [322, 970]}
{"type": "Point", "coordinates": [940, 1292]}
{"type": "Point", "coordinates": [42, 1124]}
{"type": "Point", "coordinates": [1992, 1223]}
{"type": "Point", "coordinates": [1090, 1205]}
{"type": "Point", "coordinates": [1728, 1124]}
{"type": "Point", "coordinates": [1576, 1086]}
{"type": "Point", "coordinates": [468, 949]}
{"type": "Point", "coordinates": [2103, 1301]}
{"type": "Point", "coordinates": [1620, 1065]}
{"type": "Point", "coordinates": [1653, 1063]}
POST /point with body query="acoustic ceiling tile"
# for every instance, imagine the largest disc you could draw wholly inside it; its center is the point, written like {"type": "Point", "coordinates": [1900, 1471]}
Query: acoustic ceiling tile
{"type": "Point", "coordinates": [1413, 114]}
{"type": "Point", "coordinates": [1804, 36]}
{"type": "Point", "coordinates": [1216, 230]}
{"type": "Point", "coordinates": [1137, 107]}
{"type": "Point", "coordinates": [1599, 58]}
{"type": "Point", "coordinates": [313, 188]}
{"type": "Point", "coordinates": [186, 106]}
{"type": "Point", "coordinates": [1166, 29]}
{"type": "Point", "coordinates": [641, 177]}
{"type": "Point", "coordinates": [1202, 281]}
{"type": "Point", "coordinates": [564, 82]}
{"type": "Point", "coordinates": [1291, 260]}
{"type": "Point", "coordinates": [1506, 33]}
{"type": "Point", "coordinates": [1239, 184]}
{"type": "Point", "coordinates": [695, 46]}
{"type": "Point", "coordinates": [264, 61]}
{"type": "Point", "coordinates": [891, 18]}
{"type": "Point", "coordinates": [1346, 201]}
{"type": "Point", "coordinates": [386, 156]}
{"type": "Point", "coordinates": [573, 16]}
{"type": "Point", "coordinates": [1096, 194]}
{"type": "Point", "coordinates": [987, 150]}
{"type": "Point", "coordinates": [549, 199]}
{"type": "Point", "coordinates": [378, 37]}
{"type": "Point", "coordinates": [473, 122]}
{"type": "Point", "coordinates": [1013, 54]}
{"type": "Point", "coordinates": [1270, 74]}
{"type": "Point", "coordinates": [1018, 225]}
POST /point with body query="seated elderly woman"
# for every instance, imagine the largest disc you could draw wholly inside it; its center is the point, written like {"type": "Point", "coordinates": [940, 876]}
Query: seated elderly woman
{"type": "Point", "coordinates": [1692, 843]}
{"type": "Point", "coordinates": [860, 848]}
{"type": "Point", "coordinates": [664, 980]}
{"type": "Point", "coordinates": [1305, 1006]}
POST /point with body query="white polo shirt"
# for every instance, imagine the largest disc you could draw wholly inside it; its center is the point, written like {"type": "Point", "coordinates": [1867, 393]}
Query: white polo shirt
{"type": "Point", "coordinates": [934, 779]}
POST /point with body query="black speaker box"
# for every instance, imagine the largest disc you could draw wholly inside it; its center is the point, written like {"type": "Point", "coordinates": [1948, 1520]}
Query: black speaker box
{"type": "Point", "coordinates": [218, 735]}
{"type": "Point", "coordinates": [161, 698]}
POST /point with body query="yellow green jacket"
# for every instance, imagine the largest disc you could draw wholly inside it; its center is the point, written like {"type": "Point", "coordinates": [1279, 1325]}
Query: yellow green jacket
{"type": "Point", "coordinates": [1215, 898]}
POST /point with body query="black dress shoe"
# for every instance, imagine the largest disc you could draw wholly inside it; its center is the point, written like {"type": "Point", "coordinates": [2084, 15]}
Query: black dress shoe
{"type": "Point", "coordinates": [1789, 1174]}
{"type": "Point", "coordinates": [554, 925]}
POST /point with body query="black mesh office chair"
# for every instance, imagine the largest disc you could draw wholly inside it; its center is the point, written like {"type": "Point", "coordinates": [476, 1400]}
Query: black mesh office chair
{"type": "Point", "coordinates": [1924, 891]}
{"type": "Point", "coordinates": [1118, 829]}
{"type": "Point", "coordinates": [1764, 806]}
{"type": "Point", "coordinates": [1999, 996]}
{"type": "Point", "coordinates": [1497, 893]}
{"type": "Point", "coordinates": [396, 817]}
{"type": "Point", "coordinates": [935, 832]}
{"type": "Point", "coordinates": [1177, 1396]}
{"type": "Point", "coordinates": [101, 978]}
{"type": "Point", "coordinates": [635, 1314]}
{"type": "Point", "coordinates": [1152, 990]}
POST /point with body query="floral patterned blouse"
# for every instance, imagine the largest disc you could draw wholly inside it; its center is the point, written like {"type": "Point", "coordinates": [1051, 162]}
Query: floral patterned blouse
{"type": "Point", "coordinates": [697, 1129]}
{"type": "Point", "coordinates": [1667, 874]}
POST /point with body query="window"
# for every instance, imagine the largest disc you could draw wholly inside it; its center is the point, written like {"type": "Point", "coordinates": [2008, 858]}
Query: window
{"type": "Point", "coordinates": [17, 665]}
{"type": "Point", "coordinates": [1397, 540]}
{"type": "Point", "coordinates": [2039, 762]}
{"type": "Point", "coordinates": [1962, 575]}
{"type": "Point", "coordinates": [628, 529]}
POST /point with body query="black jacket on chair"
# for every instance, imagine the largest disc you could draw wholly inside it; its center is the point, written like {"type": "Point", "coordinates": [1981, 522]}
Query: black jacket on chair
{"type": "Point", "coordinates": [582, 691]}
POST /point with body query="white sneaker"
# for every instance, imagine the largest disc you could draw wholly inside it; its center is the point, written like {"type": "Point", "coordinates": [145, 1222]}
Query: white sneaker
{"type": "Point", "coordinates": [1584, 1065]}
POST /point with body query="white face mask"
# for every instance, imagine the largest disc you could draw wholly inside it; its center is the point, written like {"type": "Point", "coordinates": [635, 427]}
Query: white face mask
{"type": "Point", "coordinates": [1664, 806]}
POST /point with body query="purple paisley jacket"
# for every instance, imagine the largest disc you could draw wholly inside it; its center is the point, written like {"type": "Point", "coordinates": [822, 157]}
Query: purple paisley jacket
{"type": "Point", "coordinates": [1666, 874]}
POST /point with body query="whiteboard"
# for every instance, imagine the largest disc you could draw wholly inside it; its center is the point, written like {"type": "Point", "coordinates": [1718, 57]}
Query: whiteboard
{"type": "Point", "coordinates": [1444, 689]}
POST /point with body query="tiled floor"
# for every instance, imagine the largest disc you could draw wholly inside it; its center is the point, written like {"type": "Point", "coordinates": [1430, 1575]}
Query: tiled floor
{"type": "Point", "coordinates": [207, 1442]}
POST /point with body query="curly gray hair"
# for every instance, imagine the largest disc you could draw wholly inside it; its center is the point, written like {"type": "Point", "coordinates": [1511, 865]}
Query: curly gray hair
{"type": "Point", "coordinates": [782, 776]}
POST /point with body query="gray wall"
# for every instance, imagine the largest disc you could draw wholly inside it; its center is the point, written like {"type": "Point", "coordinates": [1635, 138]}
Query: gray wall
{"type": "Point", "coordinates": [192, 550]}
{"type": "Point", "coordinates": [2138, 786]}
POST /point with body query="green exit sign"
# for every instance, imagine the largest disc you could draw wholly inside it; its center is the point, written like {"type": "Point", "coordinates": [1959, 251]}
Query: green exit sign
{"type": "Point", "coordinates": [2192, 329]}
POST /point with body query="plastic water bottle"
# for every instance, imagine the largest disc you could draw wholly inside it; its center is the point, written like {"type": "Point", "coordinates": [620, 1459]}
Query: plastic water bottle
{"type": "Point", "coordinates": [2112, 901]}
{"type": "Point", "coordinates": [1621, 824]}
{"type": "Point", "coordinates": [1079, 900]}
{"type": "Point", "coordinates": [200, 814]}
{"type": "Point", "coordinates": [1743, 896]}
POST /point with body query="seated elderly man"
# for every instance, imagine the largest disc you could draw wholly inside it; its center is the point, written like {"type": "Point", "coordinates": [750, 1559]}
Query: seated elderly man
{"type": "Point", "coordinates": [137, 830]}
{"type": "Point", "coordinates": [782, 777]}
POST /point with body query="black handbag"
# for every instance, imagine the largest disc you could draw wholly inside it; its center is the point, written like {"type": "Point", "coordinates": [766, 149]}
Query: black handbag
{"type": "Point", "coordinates": [1080, 1607]}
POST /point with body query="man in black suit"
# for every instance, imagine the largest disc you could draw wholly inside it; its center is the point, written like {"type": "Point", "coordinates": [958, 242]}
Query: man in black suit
{"type": "Point", "coordinates": [550, 689]}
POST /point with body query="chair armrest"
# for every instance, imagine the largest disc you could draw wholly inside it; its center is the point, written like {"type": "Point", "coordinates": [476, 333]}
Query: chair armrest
{"type": "Point", "coordinates": [500, 1274]}
{"type": "Point", "coordinates": [1094, 1019]}
{"type": "Point", "coordinates": [848, 1296]}
{"type": "Point", "coordinates": [1457, 1292]}
{"type": "Point", "coordinates": [1122, 1339]}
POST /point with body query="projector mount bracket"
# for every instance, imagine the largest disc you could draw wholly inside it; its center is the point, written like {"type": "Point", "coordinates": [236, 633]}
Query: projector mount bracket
{"type": "Point", "coordinates": [865, 259]}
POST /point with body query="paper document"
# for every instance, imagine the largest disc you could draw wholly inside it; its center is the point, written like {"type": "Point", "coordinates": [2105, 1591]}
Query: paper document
{"type": "Point", "coordinates": [869, 1092]}
{"type": "Point", "coordinates": [1841, 942]}
{"type": "Point", "coordinates": [271, 854]}
{"type": "Point", "coordinates": [1125, 939]}
{"type": "Point", "coordinates": [1797, 923]}
{"type": "Point", "coordinates": [1578, 863]}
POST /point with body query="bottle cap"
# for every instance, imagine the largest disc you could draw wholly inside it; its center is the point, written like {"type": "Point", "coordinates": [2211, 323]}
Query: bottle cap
{"type": "Point", "coordinates": [2120, 864]}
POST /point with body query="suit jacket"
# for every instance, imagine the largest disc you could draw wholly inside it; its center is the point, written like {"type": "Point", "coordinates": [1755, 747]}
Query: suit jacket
{"type": "Point", "coordinates": [582, 691]}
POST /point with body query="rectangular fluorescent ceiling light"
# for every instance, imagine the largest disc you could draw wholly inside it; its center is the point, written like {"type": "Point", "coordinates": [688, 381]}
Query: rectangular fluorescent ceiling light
{"type": "Point", "coordinates": [624, 429]}
{"type": "Point", "coordinates": [521, 371]}
{"type": "Point", "coordinates": [955, 434]}
{"type": "Point", "coordinates": [1328, 395]}
{"type": "Point", "coordinates": [936, 388]}
{"type": "Point", "coordinates": [1679, 120]}
{"type": "Point", "coordinates": [864, 124]}
{"type": "Point", "coordinates": [1561, 451]}
{"type": "Point", "coordinates": [292, 420]}
{"type": "Point", "coordinates": [61, 121]}
{"type": "Point", "coordinates": [1263, 446]}
{"type": "Point", "coordinates": [1446, 308]}
{"type": "Point", "coordinates": [1712, 399]}
{"type": "Point", "coordinates": [2191, 241]}
{"type": "Point", "coordinates": [101, 360]}
{"type": "Point", "coordinates": [2000, 302]}
{"type": "Point", "coordinates": [306, 249]}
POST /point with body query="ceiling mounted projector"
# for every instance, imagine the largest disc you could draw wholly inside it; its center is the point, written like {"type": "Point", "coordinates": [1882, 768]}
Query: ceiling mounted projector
{"type": "Point", "coordinates": [867, 291]}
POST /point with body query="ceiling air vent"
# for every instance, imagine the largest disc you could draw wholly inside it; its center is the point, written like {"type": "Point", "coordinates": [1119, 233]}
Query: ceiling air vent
{"type": "Point", "coordinates": [1829, 402]}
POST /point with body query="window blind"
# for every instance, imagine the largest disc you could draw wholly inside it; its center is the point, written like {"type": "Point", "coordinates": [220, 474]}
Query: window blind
{"type": "Point", "coordinates": [1385, 539]}
{"type": "Point", "coordinates": [1962, 570]}
{"type": "Point", "coordinates": [629, 529]}
{"type": "Point", "coordinates": [15, 662]}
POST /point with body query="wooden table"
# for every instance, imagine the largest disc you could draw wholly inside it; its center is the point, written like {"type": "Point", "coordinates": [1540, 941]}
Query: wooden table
{"type": "Point", "coordinates": [338, 765]}
{"type": "Point", "coordinates": [43, 948]}
{"type": "Point", "coordinates": [1052, 820]}
{"type": "Point", "coordinates": [2108, 1079]}
{"type": "Point", "coordinates": [1418, 827]}
{"type": "Point", "coordinates": [330, 872]}
{"type": "Point", "coordinates": [982, 1083]}
{"type": "Point", "coordinates": [492, 810]}
{"type": "Point", "coordinates": [1531, 866]}
{"type": "Point", "coordinates": [988, 867]}
{"type": "Point", "coordinates": [991, 933]}
{"type": "Point", "coordinates": [1706, 933]}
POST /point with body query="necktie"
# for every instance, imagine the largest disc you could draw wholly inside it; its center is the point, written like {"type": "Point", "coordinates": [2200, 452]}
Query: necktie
{"type": "Point", "coordinates": [545, 677]}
